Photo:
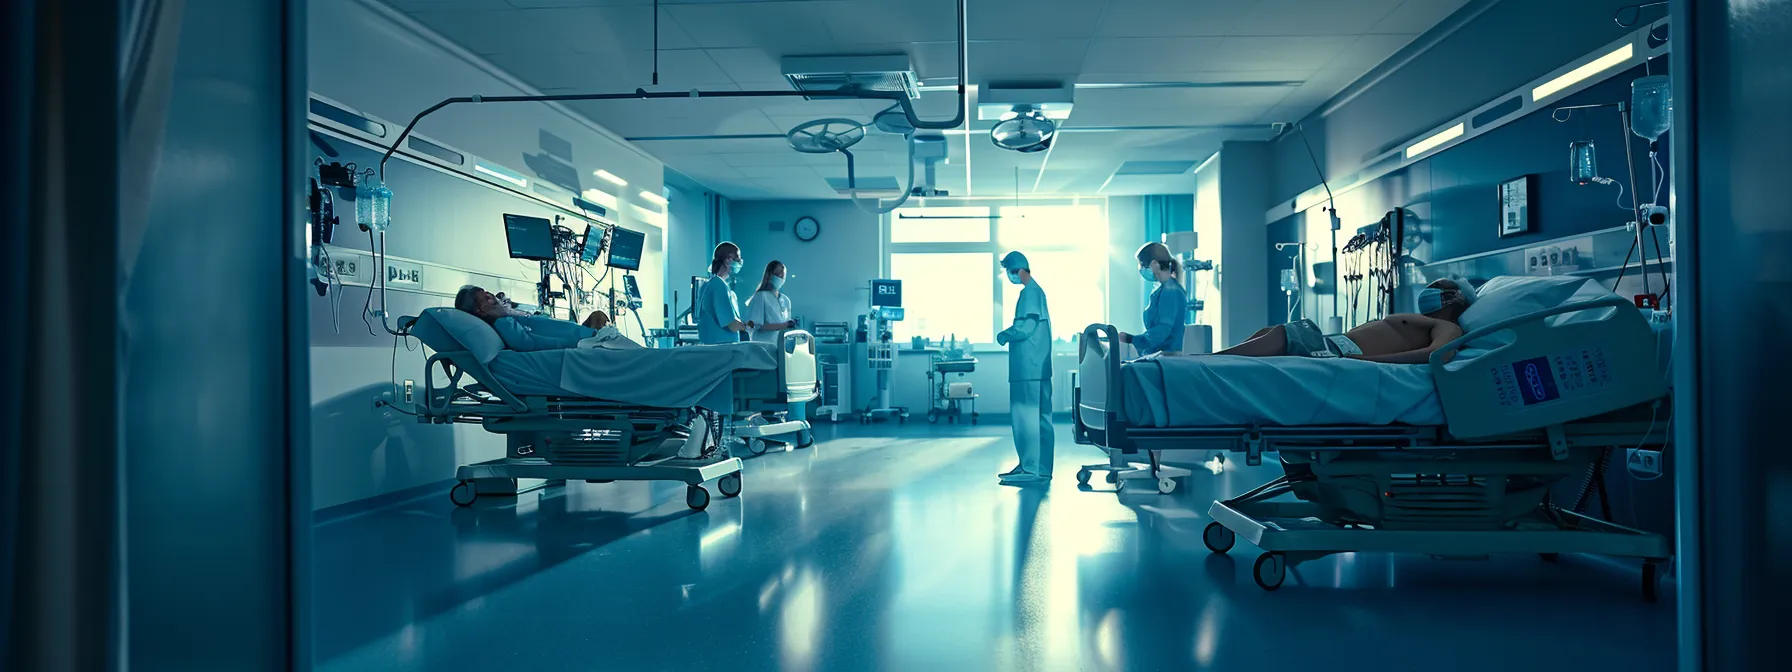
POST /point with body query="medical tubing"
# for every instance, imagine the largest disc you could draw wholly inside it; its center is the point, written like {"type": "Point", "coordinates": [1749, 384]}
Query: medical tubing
{"type": "Point", "coordinates": [1626, 266]}
{"type": "Point", "coordinates": [849, 91]}
{"type": "Point", "coordinates": [881, 209]}
{"type": "Point", "coordinates": [1636, 211]}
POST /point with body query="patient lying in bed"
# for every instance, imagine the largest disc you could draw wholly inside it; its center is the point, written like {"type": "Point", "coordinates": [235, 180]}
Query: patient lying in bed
{"type": "Point", "coordinates": [523, 332]}
{"type": "Point", "coordinates": [1405, 338]}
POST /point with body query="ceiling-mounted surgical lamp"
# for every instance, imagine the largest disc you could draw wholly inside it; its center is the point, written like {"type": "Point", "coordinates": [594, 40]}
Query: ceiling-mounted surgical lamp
{"type": "Point", "coordinates": [1026, 130]}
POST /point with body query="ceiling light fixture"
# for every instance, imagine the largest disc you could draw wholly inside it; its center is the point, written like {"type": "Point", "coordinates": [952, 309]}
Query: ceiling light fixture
{"type": "Point", "coordinates": [1577, 75]}
{"type": "Point", "coordinates": [610, 177]}
{"type": "Point", "coordinates": [656, 198]}
{"type": "Point", "coordinates": [1026, 131]}
{"type": "Point", "coordinates": [1432, 142]}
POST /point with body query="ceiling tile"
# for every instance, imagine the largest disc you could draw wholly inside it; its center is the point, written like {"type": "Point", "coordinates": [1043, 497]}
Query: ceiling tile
{"type": "Point", "coordinates": [1134, 54]}
{"type": "Point", "coordinates": [1182, 18]}
{"type": "Point", "coordinates": [1313, 17]}
{"type": "Point", "coordinates": [891, 21]}
{"type": "Point", "coordinates": [749, 64]}
{"type": "Point", "coordinates": [447, 5]}
{"type": "Point", "coordinates": [1417, 16]}
{"type": "Point", "coordinates": [1037, 19]}
{"type": "Point", "coordinates": [783, 28]}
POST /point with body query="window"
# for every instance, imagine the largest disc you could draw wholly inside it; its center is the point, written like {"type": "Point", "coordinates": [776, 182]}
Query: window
{"type": "Point", "coordinates": [947, 259]}
{"type": "Point", "coordinates": [946, 294]}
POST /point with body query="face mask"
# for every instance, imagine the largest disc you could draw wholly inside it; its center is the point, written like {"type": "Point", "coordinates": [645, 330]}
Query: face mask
{"type": "Point", "coordinates": [734, 267]}
{"type": "Point", "coordinates": [1431, 300]}
{"type": "Point", "coordinates": [1014, 277]}
{"type": "Point", "coordinates": [1147, 275]}
{"type": "Point", "coordinates": [777, 282]}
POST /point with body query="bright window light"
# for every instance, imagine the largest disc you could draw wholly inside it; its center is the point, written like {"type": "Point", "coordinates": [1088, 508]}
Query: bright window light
{"type": "Point", "coordinates": [940, 225]}
{"type": "Point", "coordinates": [656, 198]}
{"type": "Point", "coordinates": [1575, 76]}
{"type": "Point", "coordinates": [501, 174]}
{"type": "Point", "coordinates": [610, 177]}
{"type": "Point", "coordinates": [946, 293]}
{"type": "Point", "coordinates": [1432, 142]}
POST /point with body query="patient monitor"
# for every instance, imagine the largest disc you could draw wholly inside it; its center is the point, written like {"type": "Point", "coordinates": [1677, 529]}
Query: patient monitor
{"type": "Point", "coordinates": [529, 237]}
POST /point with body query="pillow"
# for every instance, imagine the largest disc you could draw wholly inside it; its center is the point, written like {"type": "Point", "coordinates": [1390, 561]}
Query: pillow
{"type": "Point", "coordinates": [1510, 296]}
{"type": "Point", "coordinates": [450, 329]}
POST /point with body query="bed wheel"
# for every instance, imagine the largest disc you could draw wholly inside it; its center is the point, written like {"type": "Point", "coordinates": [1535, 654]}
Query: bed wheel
{"type": "Point", "coordinates": [1119, 483]}
{"type": "Point", "coordinates": [463, 494]}
{"type": "Point", "coordinates": [729, 485]}
{"type": "Point", "coordinates": [805, 438]}
{"type": "Point", "coordinates": [1218, 538]}
{"type": "Point", "coordinates": [932, 417]}
{"type": "Point", "coordinates": [756, 446]}
{"type": "Point", "coordinates": [1166, 485]}
{"type": "Point", "coordinates": [1113, 477]}
{"type": "Point", "coordinates": [1651, 582]}
{"type": "Point", "coordinates": [696, 497]}
{"type": "Point", "coordinates": [1269, 570]}
{"type": "Point", "coordinates": [1083, 476]}
{"type": "Point", "coordinates": [973, 417]}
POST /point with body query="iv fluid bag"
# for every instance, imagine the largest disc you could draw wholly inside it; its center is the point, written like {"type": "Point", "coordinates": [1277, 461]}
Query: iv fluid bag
{"type": "Point", "coordinates": [1652, 106]}
{"type": "Point", "coordinates": [364, 202]}
{"type": "Point", "coordinates": [1583, 165]}
{"type": "Point", "coordinates": [382, 207]}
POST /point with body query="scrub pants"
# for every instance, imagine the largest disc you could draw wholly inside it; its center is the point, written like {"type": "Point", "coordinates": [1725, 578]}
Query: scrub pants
{"type": "Point", "coordinates": [1030, 412]}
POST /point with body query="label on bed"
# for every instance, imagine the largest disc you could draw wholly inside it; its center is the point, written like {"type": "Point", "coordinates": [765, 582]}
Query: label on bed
{"type": "Point", "coordinates": [1566, 374]}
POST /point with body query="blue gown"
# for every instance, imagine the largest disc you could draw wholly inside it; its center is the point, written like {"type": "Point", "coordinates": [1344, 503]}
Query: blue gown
{"type": "Point", "coordinates": [1030, 381]}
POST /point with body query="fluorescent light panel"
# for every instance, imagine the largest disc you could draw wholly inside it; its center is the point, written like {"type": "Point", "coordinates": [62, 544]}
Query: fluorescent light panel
{"type": "Point", "coordinates": [520, 182]}
{"type": "Point", "coordinates": [1432, 142]}
{"type": "Point", "coordinates": [610, 177]}
{"type": "Point", "coordinates": [653, 197]}
{"type": "Point", "coordinates": [1575, 76]}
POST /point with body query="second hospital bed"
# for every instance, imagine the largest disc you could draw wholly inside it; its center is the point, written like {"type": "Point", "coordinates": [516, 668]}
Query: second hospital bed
{"type": "Point", "coordinates": [601, 415]}
{"type": "Point", "coordinates": [1452, 458]}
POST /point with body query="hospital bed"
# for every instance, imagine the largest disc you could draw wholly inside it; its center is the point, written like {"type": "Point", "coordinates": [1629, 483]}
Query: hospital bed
{"type": "Point", "coordinates": [1453, 458]}
{"type": "Point", "coordinates": [602, 415]}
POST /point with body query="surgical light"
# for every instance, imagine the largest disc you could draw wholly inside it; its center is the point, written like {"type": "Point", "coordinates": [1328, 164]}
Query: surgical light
{"type": "Point", "coordinates": [1436, 139]}
{"type": "Point", "coordinates": [656, 198]}
{"type": "Point", "coordinates": [1577, 75]}
{"type": "Point", "coordinates": [1024, 132]}
{"type": "Point", "coordinates": [610, 177]}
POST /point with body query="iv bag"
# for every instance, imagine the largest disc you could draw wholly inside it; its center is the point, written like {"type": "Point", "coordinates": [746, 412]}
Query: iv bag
{"type": "Point", "coordinates": [364, 201]}
{"type": "Point", "coordinates": [1583, 165]}
{"type": "Point", "coordinates": [1652, 106]}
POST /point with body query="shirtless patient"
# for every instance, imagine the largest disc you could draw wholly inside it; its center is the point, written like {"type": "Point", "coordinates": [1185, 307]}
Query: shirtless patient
{"type": "Point", "coordinates": [1400, 339]}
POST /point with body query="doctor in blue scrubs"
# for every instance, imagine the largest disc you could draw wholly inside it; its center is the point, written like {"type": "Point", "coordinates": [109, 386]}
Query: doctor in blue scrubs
{"type": "Point", "coordinates": [718, 311]}
{"type": "Point", "coordinates": [1029, 342]}
{"type": "Point", "coordinates": [1167, 312]}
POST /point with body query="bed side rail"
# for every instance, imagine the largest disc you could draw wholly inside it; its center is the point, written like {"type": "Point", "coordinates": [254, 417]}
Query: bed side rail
{"type": "Point", "coordinates": [1549, 374]}
{"type": "Point", "coordinates": [438, 400]}
{"type": "Point", "coordinates": [1103, 381]}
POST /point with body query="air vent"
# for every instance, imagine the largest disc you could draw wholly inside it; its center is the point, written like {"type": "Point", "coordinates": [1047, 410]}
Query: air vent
{"type": "Point", "coordinates": [1155, 168]}
{"type": "Point", "coordinates": [894, 72]}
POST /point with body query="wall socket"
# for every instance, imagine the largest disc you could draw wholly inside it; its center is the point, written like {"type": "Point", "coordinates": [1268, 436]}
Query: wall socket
{"type": "Point", "coordinates": [410, 390]}
{"type": "Point", "coordinates": [1641, 461]}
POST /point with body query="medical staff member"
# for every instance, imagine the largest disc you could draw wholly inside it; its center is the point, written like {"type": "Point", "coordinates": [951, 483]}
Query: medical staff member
{"type": "Point", "coordinates": [770, 308]}
{"type": "Point", "coordinates": [523, 332]}
{"type": "Point", "coordinates": [1167, 312]}
{"type": "Point", "coordinates": [718, 318]}
{"type": "Point", "coordinates": [1029, 342]}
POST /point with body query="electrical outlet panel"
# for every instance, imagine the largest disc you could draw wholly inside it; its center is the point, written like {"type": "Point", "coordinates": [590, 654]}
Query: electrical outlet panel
{"type": "Point", "coordinates": [410, 391]}
{"type": "Point", "coordinates": [1643, 462]}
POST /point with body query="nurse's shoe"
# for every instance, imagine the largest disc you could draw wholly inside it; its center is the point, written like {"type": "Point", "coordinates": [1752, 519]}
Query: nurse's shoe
{"type": "Point", "coordinates": [1011, 472]}
{"type": "Point", "coordinates": [1024, 478]}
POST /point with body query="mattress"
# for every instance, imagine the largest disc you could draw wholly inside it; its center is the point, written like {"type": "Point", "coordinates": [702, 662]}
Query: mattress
{"type": "Point", "coordinates": [660, 377]}
{"type": "Point", "coordinates": [1219, 390]}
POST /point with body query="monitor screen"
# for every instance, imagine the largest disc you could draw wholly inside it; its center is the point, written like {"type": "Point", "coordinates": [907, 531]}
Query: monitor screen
{"type": "Point", "coordinates": [529, 237]}
{"type": "Point", "coordinates": [630, 289]}
{"type": "Point", "coordinates": [588, 251]}
{"type": "Point", "coordinates": [625, 249]}
{"type": "Point", "coordinates": [886, 293]}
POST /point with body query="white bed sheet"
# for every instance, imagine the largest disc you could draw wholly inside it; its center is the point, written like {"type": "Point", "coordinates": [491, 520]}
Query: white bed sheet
{"type": "Point", "coordinates": [667, 378]}
{"type": "Point", "coordinates": [1218, 390]}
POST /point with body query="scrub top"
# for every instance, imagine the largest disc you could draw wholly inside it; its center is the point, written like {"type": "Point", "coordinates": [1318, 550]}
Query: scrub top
{"type": "Point", "coordinates": [717, 308]}
{"type": "Point", "coordinates": [767, 307]}
{"type": "Point", "coordinates": [529, 333]}
{"type": "Point", "coordinates": [1165, 316]}
{"type": "Point", "coordinates": [1030, 338]}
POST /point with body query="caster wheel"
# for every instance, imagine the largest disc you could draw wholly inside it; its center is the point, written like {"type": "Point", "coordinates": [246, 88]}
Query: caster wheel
{"type": "Point", "coordinates": [1082, 477]}
{"type": "Point", "coordinates": [757, 446]}
{"type": "Point", "coordinates": [973, 418]}
{"type": "Point", "coordinates": [1113, 477]}
{"type": "Point", "coordinates": [463, 494]}
{"type": "Point", "coordinates": [1549, 557]}
{"type": "Point", "coordinates": [1269, 570]}
{"type": "Point", "coordinates": [1119, 486]}
{"type": "Point", "coordinates": [1651, 582]}
{"type": "Point", "coordinates": [952, 419]}
{"type": "Point", "coordinates": [729, 485]}
{"type": "Point", "coordinates": [1218, 538]}
{"type": "Point", "coordinates": [932, 417]}
{"type": "Point", "coordinates": [901, 419]}
{"type": "Point", "coordinates": [805, 440]}
{"type": "Point", "coordinates": [1166, 485]}
{"type": "Point", "coordinates": [696, 497]}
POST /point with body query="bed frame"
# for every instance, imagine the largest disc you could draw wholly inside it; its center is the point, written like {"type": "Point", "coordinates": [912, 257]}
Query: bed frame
{"type": "Point", "coordinates": [1473, 487]}
{"type": "Point", "coordinates": [559, 439]}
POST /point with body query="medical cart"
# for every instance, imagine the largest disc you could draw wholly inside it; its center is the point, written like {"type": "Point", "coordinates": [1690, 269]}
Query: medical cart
{"type": "Point", "coordinates": [947, 398]}
{"type": "Point", "coordinates": [833, 352]}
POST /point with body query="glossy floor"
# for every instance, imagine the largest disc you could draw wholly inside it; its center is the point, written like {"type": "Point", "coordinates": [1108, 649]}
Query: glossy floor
{"type": "Point", "coordinates": [893, 548]}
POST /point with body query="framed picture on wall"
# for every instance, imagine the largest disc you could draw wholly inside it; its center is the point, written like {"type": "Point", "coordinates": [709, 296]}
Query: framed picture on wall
{"type": "Point", "coordinates": [1515, 206]}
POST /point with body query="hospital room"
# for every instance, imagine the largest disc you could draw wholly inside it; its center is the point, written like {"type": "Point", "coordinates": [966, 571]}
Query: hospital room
{"type": "Point", "coordinates": [812, 335]}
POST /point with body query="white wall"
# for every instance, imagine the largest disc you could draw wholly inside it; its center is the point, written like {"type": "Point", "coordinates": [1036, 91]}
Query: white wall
{"type": "Point", "coordinates": [1211, 238]}
{"type": "Point", "coordinates": [1244, 285]}
{"type": "Point", "coordinates": [373, 61]}
{"type": "Point", "coordinates": [832, 273]}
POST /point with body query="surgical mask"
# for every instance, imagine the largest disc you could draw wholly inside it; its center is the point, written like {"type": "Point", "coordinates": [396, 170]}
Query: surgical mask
{"type": "Point", "coordinates": [1147, 275]}
{"type": "Point", "coordinates": [777, 282]}
{"type": "Point", "coordinates": [1014, 277]}
{"type": "Point", "coordinates": [734, 267]}
{"type": "Point", "coordinates": [1431, 300]}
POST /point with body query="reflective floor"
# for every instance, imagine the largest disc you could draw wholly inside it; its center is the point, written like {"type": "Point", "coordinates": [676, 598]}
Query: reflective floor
{"type": "Point", "coordinates": [893, 548]}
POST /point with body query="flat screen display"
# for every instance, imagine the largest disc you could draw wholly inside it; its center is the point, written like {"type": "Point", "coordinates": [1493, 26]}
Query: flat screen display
{"type": "Point", "coordinates": [886, 293]}
{"type": "Point", "coordinates": [625, 249]}
{"type": "Point", "coordinates": [529, 237]}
